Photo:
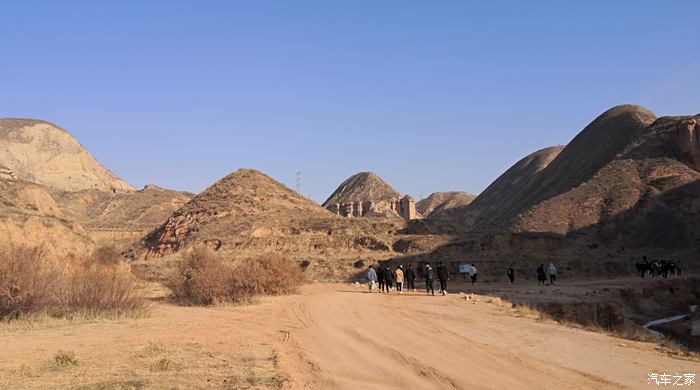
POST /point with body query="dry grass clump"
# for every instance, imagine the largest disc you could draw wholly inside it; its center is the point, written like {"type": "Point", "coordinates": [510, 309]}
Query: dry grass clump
{"type": "Point", "coordinates": [27, 281]}
{"type": "Point", "coordinates": [203, 278]}
{"type": "Point", "coordinates": [65, 359]}
{"type": "Point", "coordinates": [98, 285]}
{"type": "Point", "coordinates": [532, 312]}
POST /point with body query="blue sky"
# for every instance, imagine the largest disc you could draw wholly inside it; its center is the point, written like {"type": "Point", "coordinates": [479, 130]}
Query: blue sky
{"type": "Point", "coordinates": [432, 96]}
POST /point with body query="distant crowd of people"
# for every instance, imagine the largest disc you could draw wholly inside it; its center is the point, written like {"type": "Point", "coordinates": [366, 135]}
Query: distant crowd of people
{"type": "Point", "coordinates": [660, 268]}
{"type": "Point", "coordinates": [387, 279]}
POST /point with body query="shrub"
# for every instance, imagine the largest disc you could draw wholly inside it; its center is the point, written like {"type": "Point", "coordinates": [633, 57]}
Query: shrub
{"type": "Point", "coordinates": [201, 278]}
{"type": "Point", "coordinates": [204, 278]}
{"type": "Point", "coordinates": [27, 281]}
{"type": "Point", "coordinates": [267, 275]}
{"type": "Point", "coordinates": [100, 284]}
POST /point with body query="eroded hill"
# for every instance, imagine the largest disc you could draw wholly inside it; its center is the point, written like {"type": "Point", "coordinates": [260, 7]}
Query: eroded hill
{"type": "Point", "coordinates": [616, 183]}
{"type": "Point", "coordinates": [248, 214]}
{"type": "Point", "coordinates": [29, 215]}
{"type": "Point", "coordinates": [444, 205]}
{"type": "Point", "coordinates": [43, 153]}
{"type": "Point", "coordinates": [367, 195]}
{"type": "Point", "coordinates": [54, 193]}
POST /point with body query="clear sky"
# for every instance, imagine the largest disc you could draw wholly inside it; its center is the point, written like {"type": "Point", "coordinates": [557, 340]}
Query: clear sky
{"type": "Point", "coordinates": [431, 95]}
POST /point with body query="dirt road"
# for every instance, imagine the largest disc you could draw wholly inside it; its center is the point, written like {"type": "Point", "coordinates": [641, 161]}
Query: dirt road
{"type": "Point", "coordinates": [329, 336]}
{"type": "Point", "coordinates": [342, 337]}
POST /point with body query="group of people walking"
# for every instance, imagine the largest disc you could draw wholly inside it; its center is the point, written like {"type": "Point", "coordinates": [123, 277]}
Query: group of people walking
{"type": "Point", "coordinates": [542, 274]}
{"type": "Point", "coordinates": [388, 279]}
{"type": "Point", "coordinates": [662, 268]}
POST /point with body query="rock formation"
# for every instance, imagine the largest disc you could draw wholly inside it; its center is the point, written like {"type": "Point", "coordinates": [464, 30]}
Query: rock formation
{"type": "Point", "coordinates": [7, 173]}
{"type": "Point", "coordinates": [442, 204]}
{"type": "Point", "coordinates": [58, 195]}
{"type": "Point", "coordinates": [30, 216]}
{"type": "Point", "coordinates": [683, 133]}
{"type": "Point", "coordinates": [366, 194]}
{"type": "Point", "coordinates": [43, 153]}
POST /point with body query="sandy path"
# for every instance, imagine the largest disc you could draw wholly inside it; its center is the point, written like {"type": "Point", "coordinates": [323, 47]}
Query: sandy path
{"type": "Point", "coordinates": [330, 336]}
{"type": "Point", "coordinates": [341, 337]}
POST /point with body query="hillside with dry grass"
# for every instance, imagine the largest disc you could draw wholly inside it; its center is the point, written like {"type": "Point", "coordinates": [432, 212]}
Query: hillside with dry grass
{"type": "Point", "coordinates": [248, 214]}
{"type": "Point", "coordinates": [120, 217]}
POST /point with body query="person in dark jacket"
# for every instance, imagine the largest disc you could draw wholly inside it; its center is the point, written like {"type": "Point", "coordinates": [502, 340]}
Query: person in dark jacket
{"type": "Point", "coordinates": [380, 277]}
{"type": "Point", "coordinates": [388, 278]}
{"type": "Point", "coordinates": [541, 276]}
{"type": "Point", "coordinates": [410, 276]}
{"type": "Point", "coordinates": [429, 278]}
{"type": "Point", "coordinates": [443, 277]}
{"type": "Point", "coordinates": [511, 274]}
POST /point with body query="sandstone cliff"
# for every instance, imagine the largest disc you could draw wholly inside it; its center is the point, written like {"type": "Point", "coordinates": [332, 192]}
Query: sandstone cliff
{"type": "Point", "coordinates": [366, 194]}
{"type": "Point", "coordinates": [40, 152]}
{"type": "Point", "coordinates": [30, 216]}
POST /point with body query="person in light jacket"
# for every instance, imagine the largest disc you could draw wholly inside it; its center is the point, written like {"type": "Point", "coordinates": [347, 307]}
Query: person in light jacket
{"type": "Point", "coordinates": [398, 273]}
{"type": "Point", "coordinates": [371, 278]}
{"type": "Point", "coordinates": [473, 273]}
{"type": "Point", "coordinates": [552, 271]}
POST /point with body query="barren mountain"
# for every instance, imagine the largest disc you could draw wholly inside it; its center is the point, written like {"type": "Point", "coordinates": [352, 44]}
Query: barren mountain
{"type": "Point", "coordinates": [49, 177]}
{"type": "Point", "coordinates": [443, 203]}
{"type": "Point", "coordinates": [617, 182]}
{"type": "Point", "coordinates": [504, 190]}
{"type": "Point", "coordinates": [247, 213]}
{"type": "Point", "coordinates": [40, 152]}
{"type": "Point", "coordinates": [366, 194]}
